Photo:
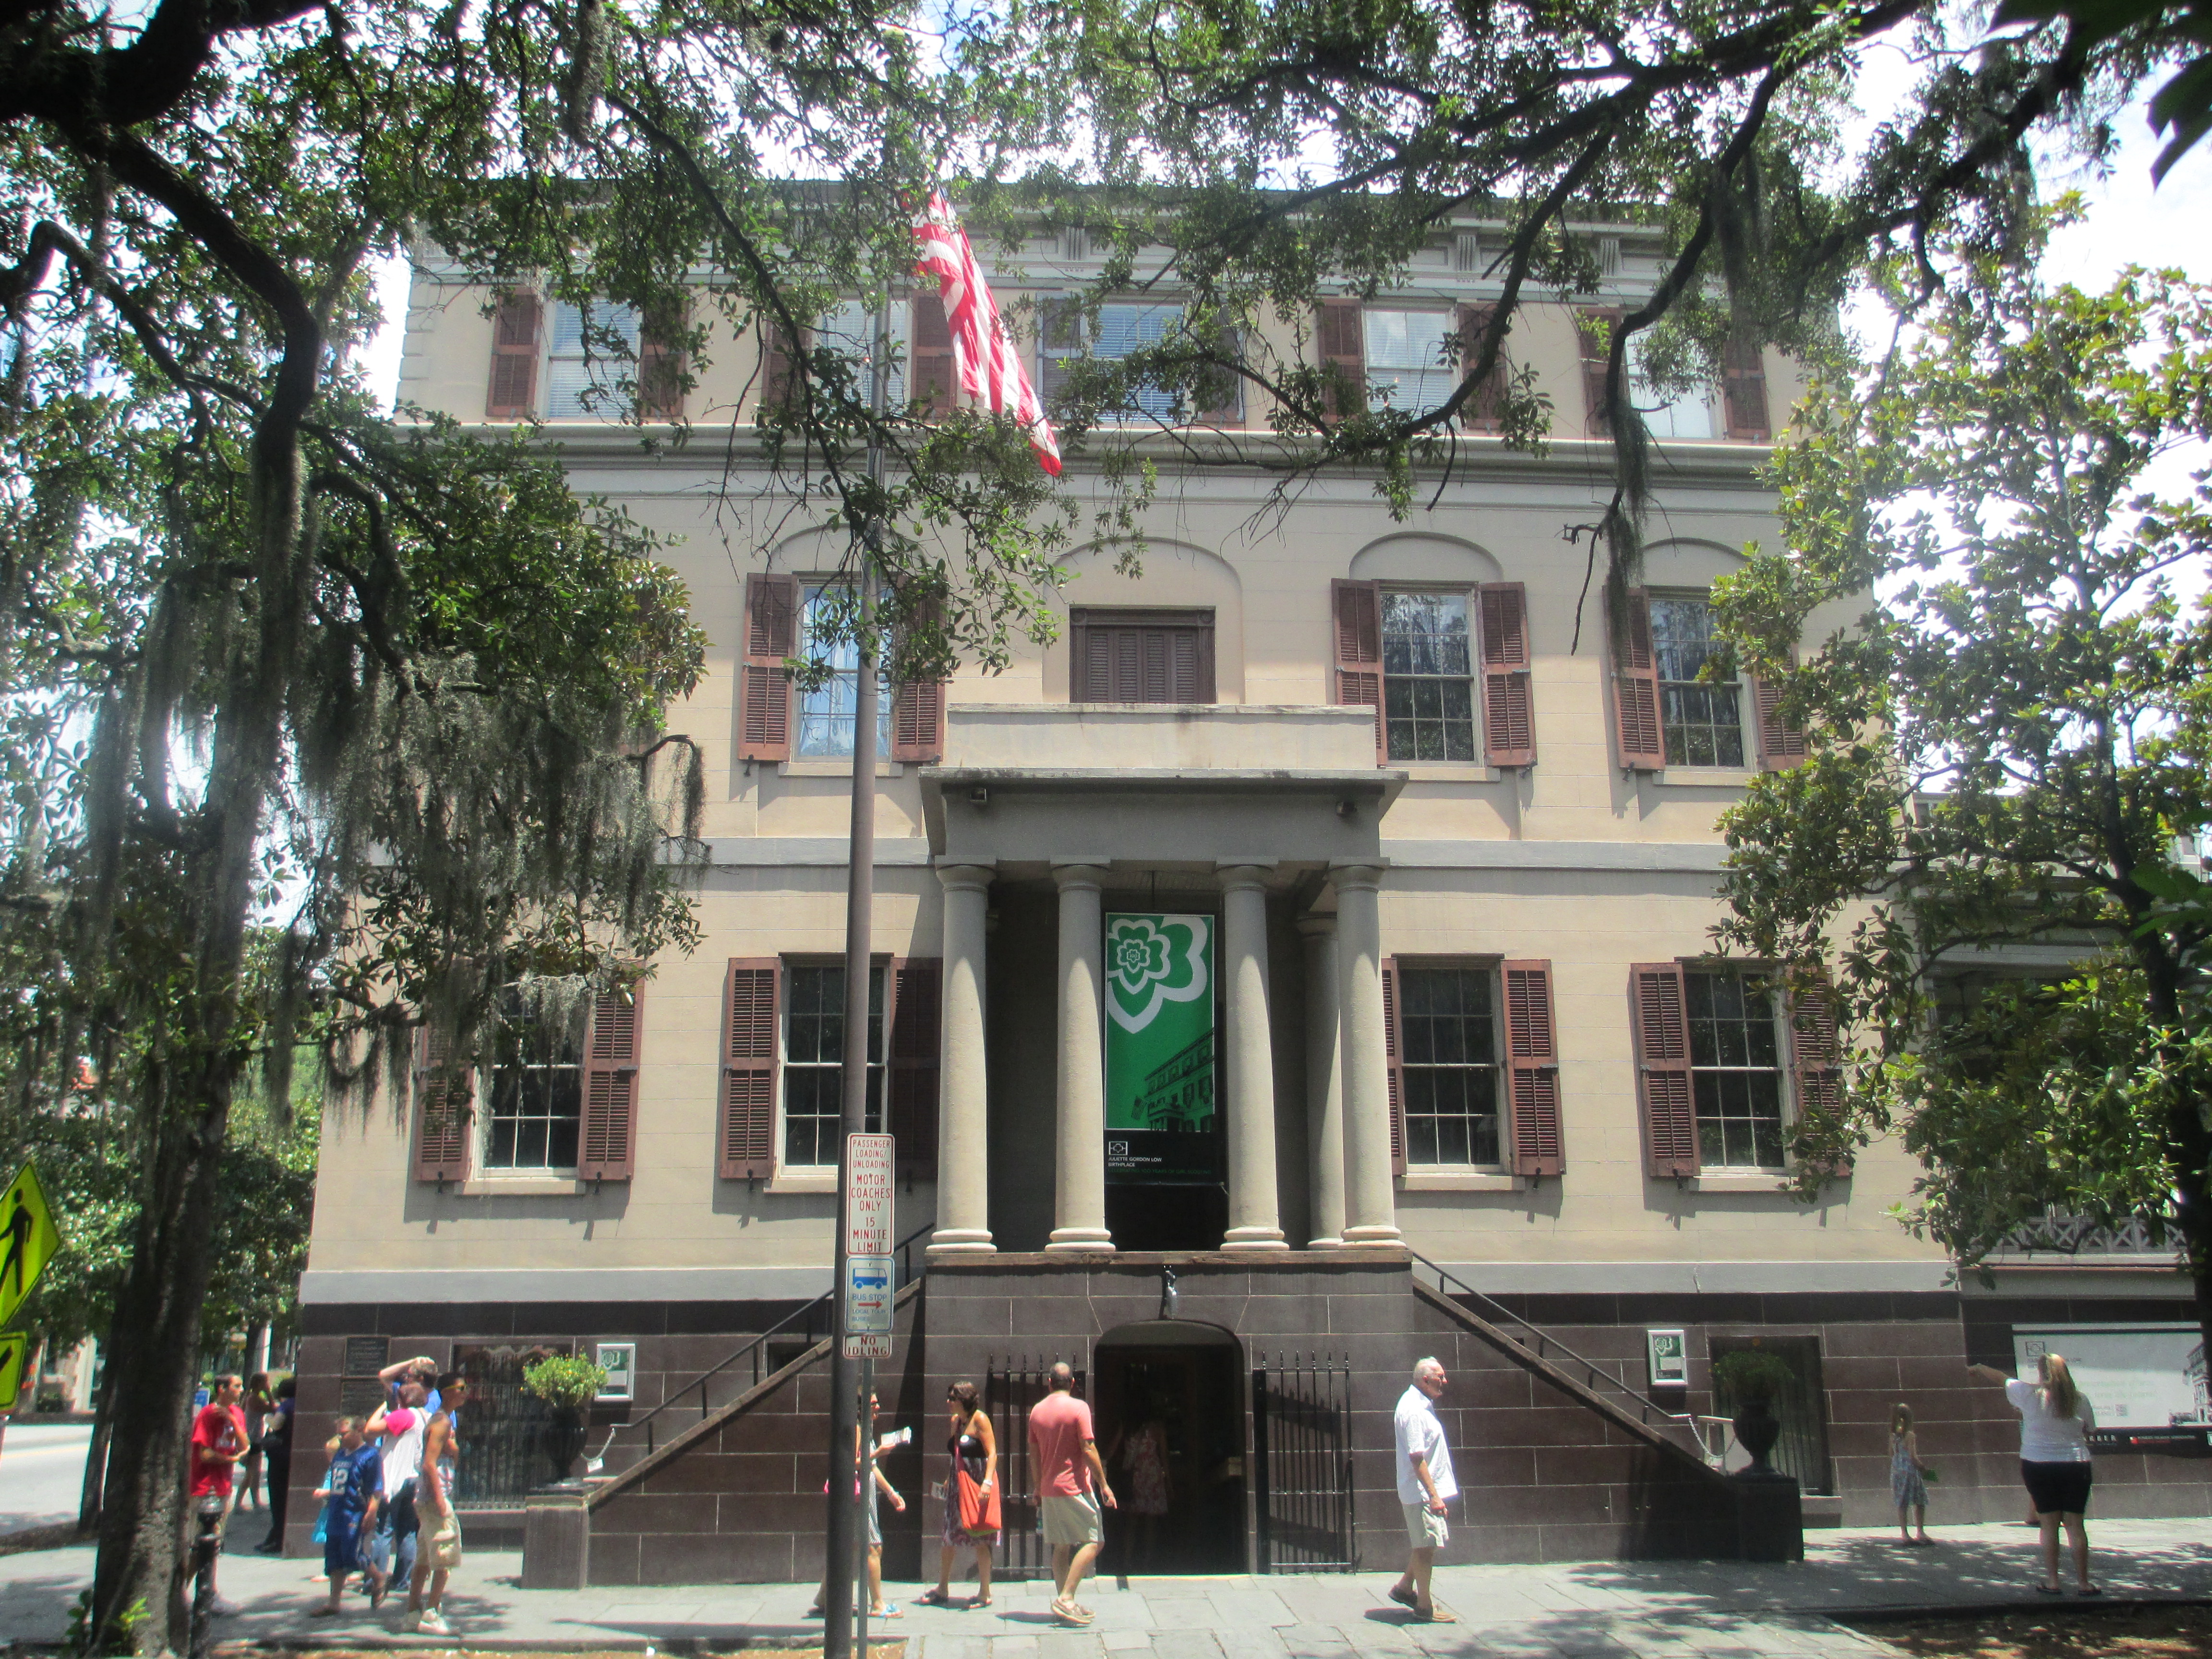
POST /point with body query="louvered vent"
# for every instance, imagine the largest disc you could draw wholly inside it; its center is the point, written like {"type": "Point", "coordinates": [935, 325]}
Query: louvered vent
{"type": "Point", "coordinates": [1075, 243]}
{"type": "Point", "coordinates": [1466, 252]}
{"type": "Point", "coordinates": [1608, 256]}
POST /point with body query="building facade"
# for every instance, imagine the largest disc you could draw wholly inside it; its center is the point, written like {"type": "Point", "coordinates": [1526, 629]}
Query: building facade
{"type": "Point", "coordinates": [1333, 892]}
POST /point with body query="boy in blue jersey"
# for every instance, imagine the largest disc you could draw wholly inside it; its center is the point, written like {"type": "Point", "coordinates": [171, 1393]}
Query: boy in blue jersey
{"type": "Point", "coordinates": [356, 1492]}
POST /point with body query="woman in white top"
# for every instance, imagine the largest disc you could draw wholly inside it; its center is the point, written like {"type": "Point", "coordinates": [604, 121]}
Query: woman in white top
{"type": "Point", "coordinates": [2055, 1420]}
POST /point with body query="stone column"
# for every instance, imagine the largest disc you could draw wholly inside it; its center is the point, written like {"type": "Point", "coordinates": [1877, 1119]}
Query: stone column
{"type": "Point", "coordinates": [1324, 1086]}
{"type": "Point", "coordinates": [1079, 1182]}
{"type": "Point", "coordinates": [1249, 1061]}
{"type": "Point", "coordinates": [1371, 1205]}
{"type": "Point", "coordinates": [964, 1165]}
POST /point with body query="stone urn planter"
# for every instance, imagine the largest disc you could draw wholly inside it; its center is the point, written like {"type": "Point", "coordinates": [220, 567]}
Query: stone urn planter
{"type": "Point", "coordinates": [1752, 1377]}
{"type": "Point", "coordinates": [567, 1383]}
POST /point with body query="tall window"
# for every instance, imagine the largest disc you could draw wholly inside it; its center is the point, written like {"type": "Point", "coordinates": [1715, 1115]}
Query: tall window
{"type": "Point", "coordinates": [1668, 414]}
{"type": "Point", "coordinates": [1428, 686]}
{"type": "Point", "coordinates": [1703, 720]}
{"type": "Point", "coordinates": [1450, 1066]}
{"type": "Point", "coordinates": [826, 713]}
{"type": "Point", "coordinates": [1068, 336]}
{"type": "Point", "coordinates": [1735, 1068]}
{"type": "Point", "coordinates": [813, 1061]}
{"type": "Point", "coordinates": [582, 385]}
{"type": "Point", "coordinates": [535, 1105]}
{"type": "Point", "coordinates": [849, 330]}
{"type": "Point", "coordinates": [1413, 361]}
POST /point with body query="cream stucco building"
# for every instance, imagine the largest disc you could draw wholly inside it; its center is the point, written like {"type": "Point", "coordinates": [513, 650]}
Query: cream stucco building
{"type": "Point", "coordinates": [1455, 860]}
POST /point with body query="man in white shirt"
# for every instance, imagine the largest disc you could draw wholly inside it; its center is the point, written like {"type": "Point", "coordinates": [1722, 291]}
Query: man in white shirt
{"type": "Point", "coordinates": [1425, 1487]}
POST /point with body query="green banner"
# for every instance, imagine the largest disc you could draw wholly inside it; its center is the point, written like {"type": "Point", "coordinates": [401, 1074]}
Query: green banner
{"type": "Point", "coordinates": [1160, 1117]}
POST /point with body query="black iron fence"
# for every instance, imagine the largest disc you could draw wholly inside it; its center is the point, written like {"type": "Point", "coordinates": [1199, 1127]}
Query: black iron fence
{"type": "Point", "coordinates": [1302, 1457]}
{"type": "Point", "coordinates": [507, 1436]}
{"type": "Point", "coordinates": [1009, 1392]}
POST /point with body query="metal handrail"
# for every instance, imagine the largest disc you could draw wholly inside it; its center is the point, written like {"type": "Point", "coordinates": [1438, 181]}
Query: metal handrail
{"type": "Point", "coordinates": [1646, 1407]}
{"type": "Point", "coordinates": [757, 1348]}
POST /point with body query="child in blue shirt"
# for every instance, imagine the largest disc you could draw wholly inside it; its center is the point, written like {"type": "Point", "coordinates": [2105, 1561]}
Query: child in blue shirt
{"type": "Point", "coordinates": [357, 1489]}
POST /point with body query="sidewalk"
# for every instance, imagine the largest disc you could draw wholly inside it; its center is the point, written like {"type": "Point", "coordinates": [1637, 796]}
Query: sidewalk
{"type": "Point", "coordinates": [1575, 1611]}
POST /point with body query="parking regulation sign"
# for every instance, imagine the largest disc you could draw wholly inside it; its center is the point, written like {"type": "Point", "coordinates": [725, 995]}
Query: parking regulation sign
{"type": "Point", "coordinates": [868, 1194]}
{"type": "Point", "coordinates": [868, 1292]}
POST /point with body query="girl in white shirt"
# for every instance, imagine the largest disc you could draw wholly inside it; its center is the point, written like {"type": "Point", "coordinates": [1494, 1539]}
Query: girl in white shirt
{"type": "Point", "coordinates": [2055, 1420]}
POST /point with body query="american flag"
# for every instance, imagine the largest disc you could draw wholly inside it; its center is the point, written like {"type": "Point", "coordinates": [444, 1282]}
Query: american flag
{"type": "Point", "coordinates": [988, 359]}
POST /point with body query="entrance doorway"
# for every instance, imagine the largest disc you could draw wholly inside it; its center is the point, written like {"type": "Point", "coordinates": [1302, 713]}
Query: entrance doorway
{"type": "Point", "coordinates": [1170, 1424]}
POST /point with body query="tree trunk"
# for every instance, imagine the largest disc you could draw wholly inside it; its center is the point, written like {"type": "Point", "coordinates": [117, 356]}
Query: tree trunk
{"type": "Point", "coordinates": [143, 1513]}
{"type": "Point", "coordinates": [141, 1555]}
{"type": "Point", "coordinates": [95, 1454]}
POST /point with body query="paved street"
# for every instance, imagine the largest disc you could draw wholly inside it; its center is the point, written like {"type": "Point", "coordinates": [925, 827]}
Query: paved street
{"type": "Point", "coordinates": [1659, 1610]}
{"type": "Point", "coordinates": [41, 1473]}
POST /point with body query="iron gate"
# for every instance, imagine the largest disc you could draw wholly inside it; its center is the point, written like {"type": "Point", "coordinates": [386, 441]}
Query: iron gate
{"type": "Point", "coordinates": [1302, 1459]}
{"type": "Point", "coordinates": [1008, 1394]}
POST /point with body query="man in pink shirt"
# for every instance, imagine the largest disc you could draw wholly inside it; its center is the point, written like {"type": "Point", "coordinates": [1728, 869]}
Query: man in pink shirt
{"type": "Point", "coordinates": [1071, 1483]}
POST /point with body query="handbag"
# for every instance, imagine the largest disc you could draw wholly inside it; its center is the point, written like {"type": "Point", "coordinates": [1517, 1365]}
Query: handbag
{"type": "Point", "coordinates": [446, 1543]}
{"type": "Point", "coordinates": [979, 1506]}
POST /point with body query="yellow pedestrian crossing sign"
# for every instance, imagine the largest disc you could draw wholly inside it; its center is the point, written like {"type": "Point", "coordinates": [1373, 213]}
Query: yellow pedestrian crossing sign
{"type": "Point", "coordinates": [29, 1240]}
{"type": "Point", "coordinates": [13, 1346]}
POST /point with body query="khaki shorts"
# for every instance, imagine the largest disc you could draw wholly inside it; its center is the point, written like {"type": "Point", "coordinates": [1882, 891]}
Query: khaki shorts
{"type": "Point", "coordinates": [1072, 1521]}
{"type": "Point", "coordinates": [1425, 1529]}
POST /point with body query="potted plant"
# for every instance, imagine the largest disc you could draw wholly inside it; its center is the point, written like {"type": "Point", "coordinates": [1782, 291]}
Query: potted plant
{"type": "Point", "coordinates": [1751, 1377]}
{"type": "Point", "coordinates": [567, 1383]}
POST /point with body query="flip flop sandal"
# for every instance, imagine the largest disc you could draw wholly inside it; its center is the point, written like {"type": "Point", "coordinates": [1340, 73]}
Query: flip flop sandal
{"type": "Point", "coordinates": [931, 1598]}
{"type": "Point", "coordinates": [2049, 1589]}
{"type": "Point", "coordinates": [1404, 1598]}
{"type": "Point", "coordinates": [2093, 1589]}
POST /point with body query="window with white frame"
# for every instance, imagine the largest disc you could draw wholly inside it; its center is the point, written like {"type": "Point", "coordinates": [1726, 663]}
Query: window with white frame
{"type": "Point", "coordinates": [1668, 414]}
{"type": "Point", "coordinates": [1448, 1065]}
{"type": "Point", "coordinates": [1428, 677]}
{"type": "Point", "coordinates": [534, 1103]}
{"type": "Point", "coordinates": [849, 330]}
{"type": "Point", "coordinates": [1068, 334]}
{"type": "Point", "coordinates": [813, 1060]}
{"type": "Point", "coordinates": [1736, 1059]}
{"type": "Point", "coordinates": [1412, 358]}
{"type": "Point", "coordinates": [1703, 719]}
{"type": "Point", "coordinates": [586, 359]}
{"type": "Point", "coordinates": [827, 712]}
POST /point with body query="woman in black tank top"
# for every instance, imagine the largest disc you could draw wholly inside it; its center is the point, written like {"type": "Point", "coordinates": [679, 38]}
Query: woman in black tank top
{"type": "Point", "coordinates": [970, 1447]}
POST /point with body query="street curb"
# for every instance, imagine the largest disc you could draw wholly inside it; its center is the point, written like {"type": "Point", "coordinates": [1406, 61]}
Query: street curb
{"type": "Point", "coordinates": [2094, 1606]}
{"type": "Point", "coordinates": [60, 1536]}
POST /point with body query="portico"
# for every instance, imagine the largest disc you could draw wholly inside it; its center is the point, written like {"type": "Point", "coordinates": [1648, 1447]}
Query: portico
{"type": "Point", "coordinates": [1265, 822]}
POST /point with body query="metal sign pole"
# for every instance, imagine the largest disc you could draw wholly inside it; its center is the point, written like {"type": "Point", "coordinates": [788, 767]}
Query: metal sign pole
{"type": "Point", "coordinates": [860, 899]}
{"type": "Point", "coordinates": [860, 1528]}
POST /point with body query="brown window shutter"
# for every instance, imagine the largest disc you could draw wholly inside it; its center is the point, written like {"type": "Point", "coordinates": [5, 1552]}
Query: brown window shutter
{"type": "Point", "coordinates": [916, 1015]}
{"type": "Point", "coordinates": [1532, 1069]}
{"type": "Point", "coordinates": [1781, 745]}
{"type": "Point", "coordinates": [1484, 409]}
{"type": "Point", "coordinates": [442, 1110]}
{"type": "Point", "coordinates": [1508, 724]}
{"type": "Point", "coordinates": [609, 1149]}
{"type": "Point", "coordinates": [931, 379]}
{"type": "Point", "coordinates": [1814, 1056]}
{"type": "Point", "coordinates": [1123, 657]}
{"type": "Point", "coordinates": [764, 688]}
{"type": "Point", "coordinates": [1343, 348]}
{"type": "Point", "coordinates": [1059, 341]}
{"type": "Point", "coordinates": [1662, 1024]}
{"type": "Point", "coordinates": [1356, 613]}
{"type": "Point", "coordinates": [1223, 389]}
{"type": "Point", "coordinates": [1743, 386]}
{"type": "Point", "coordinates": [1394, 1069]}
{"type": "Point", "coordinates": [918, 722]}
{"type": "Point", "coordinates": [752, 1043]}
{"type": "Point", "coordinates": [780, 366]}
{"type": "Point", "coordinates": [1595, 352]}
{"type": "Point", "coordinates": [514, 393]}
{"type": "Point", "coordinates": [660, 378]}
{"type": "Point", "coordinates": [917, 711]}
{"type": "Point", "coordinates": [1637, 724]}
